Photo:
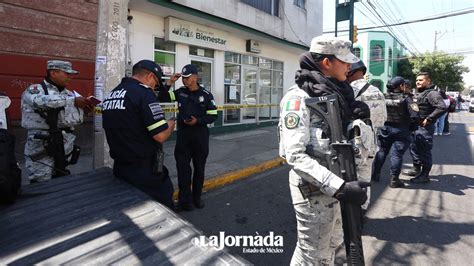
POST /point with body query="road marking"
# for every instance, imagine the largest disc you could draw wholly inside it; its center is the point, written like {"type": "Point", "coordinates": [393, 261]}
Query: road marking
{"type": "Point", "coordinates": [233, 176]}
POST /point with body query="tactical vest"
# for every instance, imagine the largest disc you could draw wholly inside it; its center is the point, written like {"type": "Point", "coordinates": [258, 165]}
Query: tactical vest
{"type": "Point", "coordinates": [395, 110]}
{"type": "Point", "coordinates": [424, 105]}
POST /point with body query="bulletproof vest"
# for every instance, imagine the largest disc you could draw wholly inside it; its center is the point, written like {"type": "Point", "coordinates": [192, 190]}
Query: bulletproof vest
{"type": "Point", "coordinates": [424, 105]}
{"type": "Point", "coordinates": [394, 107]}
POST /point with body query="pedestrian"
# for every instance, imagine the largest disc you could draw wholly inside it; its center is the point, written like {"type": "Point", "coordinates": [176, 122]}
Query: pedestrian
{"type": "Point", "coordinates": [136, 128]}
{"type": "Point", "coordinates": [365, 141]}
{"type": "Point", "coordinates": [394, 136]}
{"type": "Point", "coordinates": [197, 110]}
{"type": "Point", "coordinates": [439, 124]}
{"type": "Point", "coordinates": [315, 191]}
{"type": "Point", "coordinates": [460, 100]}
{"type": "Point", "coordinates": [431, 107]}
{"type": "Point", "coordinates": [49, 112]}
{"type": "Point", "coordinates": [451, 109]}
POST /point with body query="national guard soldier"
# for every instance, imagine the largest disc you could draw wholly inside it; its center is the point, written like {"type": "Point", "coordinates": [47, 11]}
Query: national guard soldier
{"type": "Point", "coordinates": [431, 105]}
{"type": "Point", "coordinates": [197, 109]}
{"type": "Point", "coordinates": [136, 128]}
{"type": "Point", "coordinates": [365, 141]}
{"type": "Point", "coordinates": [315, 190]}
{"type": "Point", "coordinates": [395, 135]}
{"type": "Point", "coordinates": [49, 113]}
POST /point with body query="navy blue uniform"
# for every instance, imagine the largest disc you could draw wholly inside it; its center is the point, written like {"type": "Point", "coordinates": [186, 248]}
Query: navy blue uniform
{"type": "Point", "coordinates": [402, 119]}
{"type": "Point", "coordinates": [131, 117]}
{"type": "Point", "coordinates": [192, 142]}
{"type": "Point", "coordinates": [431, 106]}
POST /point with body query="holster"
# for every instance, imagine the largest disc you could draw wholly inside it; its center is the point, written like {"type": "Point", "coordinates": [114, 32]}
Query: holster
{"type": "Point", "coordinates": [76, 151]}
{"type": "Point", "coordinates": [158, 161]}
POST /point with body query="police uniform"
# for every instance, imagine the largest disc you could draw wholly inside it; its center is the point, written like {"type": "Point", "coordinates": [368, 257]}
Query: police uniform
{"type": "Point", "coordinates": [131, 117]}
{"type": "Point", "coordinates": [431, 105]}
{"type": "Point", "coordinates": [192, 142]}
{"type": "Point", "coordinates": [36, 100]}
{"type": "Point", "coordinates": [402, 119]}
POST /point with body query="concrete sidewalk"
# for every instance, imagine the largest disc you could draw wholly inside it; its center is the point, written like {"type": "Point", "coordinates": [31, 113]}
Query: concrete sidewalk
{"type": "Point", "coordinates": [231, 156]}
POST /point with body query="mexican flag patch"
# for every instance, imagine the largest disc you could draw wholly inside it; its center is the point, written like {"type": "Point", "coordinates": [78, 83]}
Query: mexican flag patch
{"type": "Point", "coordinates": [293, 105]}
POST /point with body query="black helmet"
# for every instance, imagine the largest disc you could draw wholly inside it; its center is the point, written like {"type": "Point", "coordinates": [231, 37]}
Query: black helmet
{"type": "Point", "coordinates": [356, 66]}
{"type": "Point", "coordinates": [394, 84]}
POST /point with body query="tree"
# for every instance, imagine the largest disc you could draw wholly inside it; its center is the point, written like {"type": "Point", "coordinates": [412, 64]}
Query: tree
{"type": "Point", "coordinates": [446, 70]}
{"type": "Point", "coordinates": [405, 70]}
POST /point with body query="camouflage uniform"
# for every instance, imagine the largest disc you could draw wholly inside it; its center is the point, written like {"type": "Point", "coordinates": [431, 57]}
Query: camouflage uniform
{"type": "Point", "coordinates": [366, 143]}
{"type": "Point", "coordinates": [34, 100]}
{"type": "Point", "coordinates": [318, 213]}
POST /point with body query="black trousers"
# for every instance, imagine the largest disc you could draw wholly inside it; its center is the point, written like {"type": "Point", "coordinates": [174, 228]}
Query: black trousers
{"type": "Point", "coordinates": [192, 143]}
{"type": "Point", "coordinates": [140, 175]}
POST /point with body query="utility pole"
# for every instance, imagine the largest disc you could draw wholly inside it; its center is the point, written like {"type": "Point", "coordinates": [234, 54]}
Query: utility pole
{"type": "Point", "coordinates": [109, 66]}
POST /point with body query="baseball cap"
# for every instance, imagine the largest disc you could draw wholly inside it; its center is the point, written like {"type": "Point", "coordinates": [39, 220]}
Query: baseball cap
{"type": "Point", "coordinates": [396, 81]}
{"type": "Point", "coordinates": [152, 67]}
{"type": "Point", "coordinates": [341, 49]}
{"type": "Point", "coordinates": [61, 65]}
{"type": "Point", "coordinates": [188, 70]}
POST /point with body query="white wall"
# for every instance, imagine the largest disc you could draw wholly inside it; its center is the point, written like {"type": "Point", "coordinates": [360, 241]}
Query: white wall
{"type": "Point", "coordinates": [305, 23]}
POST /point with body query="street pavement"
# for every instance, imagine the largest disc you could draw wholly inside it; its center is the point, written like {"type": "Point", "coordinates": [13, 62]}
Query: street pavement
{"type": "Point", "coordinates": [429, 224]}
{"type": "Point", "coordinates": [426, 224]}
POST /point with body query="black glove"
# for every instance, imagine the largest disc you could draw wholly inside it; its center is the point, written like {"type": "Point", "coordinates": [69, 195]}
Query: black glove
{"type": "Point", "coordinates": [353, 192]}
{"type": "Point", "coordinates": [360, 110]}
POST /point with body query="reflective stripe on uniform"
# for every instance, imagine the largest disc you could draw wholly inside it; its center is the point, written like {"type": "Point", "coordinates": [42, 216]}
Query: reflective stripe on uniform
{"type": "Point", "coordinates": [155, 125]}
{"type": "Point", "coordinates": [211, 112]}
{"type": "Point", "coordinates": [172, 96]}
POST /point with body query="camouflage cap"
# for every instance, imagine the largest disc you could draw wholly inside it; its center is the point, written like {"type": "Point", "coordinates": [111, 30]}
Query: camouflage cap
{"type": "Point", "coordinates": [341, 49]}
{"type": "Point", "coordinates": [61, 65]}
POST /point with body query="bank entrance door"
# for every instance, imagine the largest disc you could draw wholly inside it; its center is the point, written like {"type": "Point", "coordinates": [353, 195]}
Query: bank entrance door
{"type": "Point", "coordinates": [204, 67]}
{"type": "Point", "coordinates": [249, 93]}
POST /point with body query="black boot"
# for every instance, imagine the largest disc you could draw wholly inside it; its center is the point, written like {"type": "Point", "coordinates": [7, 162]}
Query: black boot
{"type": "Point", "coordinates": [415, 170]}
{"type": "Point", "coordinates": [395, 182]}
{"type": "Point", "coordinates": [422, 177]}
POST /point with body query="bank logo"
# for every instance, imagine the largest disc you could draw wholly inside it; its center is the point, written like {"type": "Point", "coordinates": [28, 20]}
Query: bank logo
{"type": "Point", "coordinates": [257, 243]}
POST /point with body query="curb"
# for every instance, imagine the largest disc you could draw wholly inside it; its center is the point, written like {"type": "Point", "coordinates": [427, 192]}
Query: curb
{"type": "Point", "coordinates": [233, 176]}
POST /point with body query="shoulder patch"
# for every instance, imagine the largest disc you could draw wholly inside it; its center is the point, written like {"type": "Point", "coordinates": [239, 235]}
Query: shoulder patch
{"type": "Point", "coordinates": [33, 89]}
{"type": "Point", "coordinates": [414, 107]}
{"type": "Point", "coordinates": [293, 104]}
{"type": "Point", "coordinates": [291, 120]}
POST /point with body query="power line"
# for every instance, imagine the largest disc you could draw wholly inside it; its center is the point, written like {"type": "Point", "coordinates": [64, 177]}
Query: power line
{"type": "Point", "coordinates": [458, 13]}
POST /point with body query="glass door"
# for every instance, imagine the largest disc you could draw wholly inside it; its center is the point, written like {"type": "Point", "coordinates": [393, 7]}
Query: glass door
{"type": "Point", "coordinates": [249, 93]}
{"type": "Point", "coordinates": [204, 72]}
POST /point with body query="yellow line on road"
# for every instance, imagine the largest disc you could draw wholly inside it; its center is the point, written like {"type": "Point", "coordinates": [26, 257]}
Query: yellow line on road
{"type": "Point", "coordinates": [233, 176]}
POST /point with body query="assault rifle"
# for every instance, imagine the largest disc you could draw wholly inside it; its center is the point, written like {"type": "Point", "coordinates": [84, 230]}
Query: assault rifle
{"type": "Point", "coordinates": [340, 160]}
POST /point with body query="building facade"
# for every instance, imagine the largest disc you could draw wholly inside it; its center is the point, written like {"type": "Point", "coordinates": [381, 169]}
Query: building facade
{"type": "Point", "coordinates": [246, 51]}
{"type": "Point", "coordinates": [381, 53]}
{"type": "Point", "coordinates": [33, 32]}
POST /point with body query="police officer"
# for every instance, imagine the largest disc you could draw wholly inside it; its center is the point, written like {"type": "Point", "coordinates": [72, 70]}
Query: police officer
{"type": "Point", "coordinates": [51, 95]}
{"type": "Point", "coordinates": [318, 213]}
{"type": "Point", "coordinates": [402, 119]}
{"type": "Point", "coordinates": [431, 107]}
{"type": "Point", "coordinates": [136, 129]}
{"type": "Point", "coordinates": [369, 94]}
{"type": "Point", "coordinates": [197, 109]}
{"type": "Point", "coordinates": [365, 140]}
